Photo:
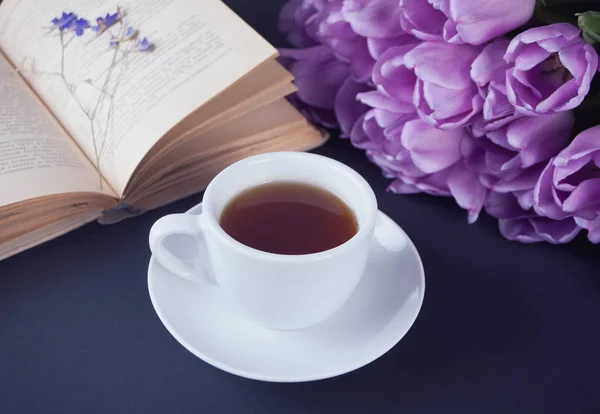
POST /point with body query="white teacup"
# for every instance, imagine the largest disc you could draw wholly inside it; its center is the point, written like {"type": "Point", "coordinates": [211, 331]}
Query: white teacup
{"type": "Point", "coordinates": [277, 291]}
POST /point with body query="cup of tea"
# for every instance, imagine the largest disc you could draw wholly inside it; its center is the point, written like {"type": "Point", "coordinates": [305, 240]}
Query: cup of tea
{"type": "Point", "coordinates": [286, 234]}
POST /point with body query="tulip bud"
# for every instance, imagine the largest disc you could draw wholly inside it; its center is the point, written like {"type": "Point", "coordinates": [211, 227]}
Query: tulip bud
{"type": "Point", "coordinates": [589, 23]}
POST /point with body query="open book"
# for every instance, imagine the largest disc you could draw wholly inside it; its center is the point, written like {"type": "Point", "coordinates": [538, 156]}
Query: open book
{"type": "Point", "coordinates": [90, 132]}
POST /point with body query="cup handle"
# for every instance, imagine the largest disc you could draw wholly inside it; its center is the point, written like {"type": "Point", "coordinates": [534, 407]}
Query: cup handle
{"type": "Point", "coordinates": [195, 270]}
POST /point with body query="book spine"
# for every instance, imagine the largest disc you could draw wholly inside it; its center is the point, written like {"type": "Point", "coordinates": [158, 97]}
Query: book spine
{"type": "Point", "coordinates": [118, 213]}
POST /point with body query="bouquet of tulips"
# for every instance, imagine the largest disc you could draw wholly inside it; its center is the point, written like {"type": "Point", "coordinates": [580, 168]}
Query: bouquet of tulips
{"type": "Point", "coordinates": [491, 102]}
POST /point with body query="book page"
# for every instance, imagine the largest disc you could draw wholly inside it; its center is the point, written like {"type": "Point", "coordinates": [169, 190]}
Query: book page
{"type": "Point", "coordinates": [37, 158]}
{"type": "Point", "coordinates": [118, 102]}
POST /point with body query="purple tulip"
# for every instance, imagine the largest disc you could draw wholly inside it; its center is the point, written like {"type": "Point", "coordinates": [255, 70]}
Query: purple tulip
{"type": "Point", "coordinates": [374, 26]}
{"type": "Point", "coordinates": [386, 110]}
{"type": "Point", "coordinates": [422, 20]}
{"type": "Point", "coordinates": [295, 21]}
{"type": "Point", "coordinates": [312, 22]}
{"type": "Point", "coordinates": [553, 69]}
{"type": "Point", "coordinates": [348, 108]}
{"type": "Point", "coordinates": [592, 226]}
{"type": "Point", "coordinates": [476, 22]}
{"type": "Point", "coordinates": [355, 53]}
{"type": "Point", "coordinates": [488, 71]}
{"type": "Point", "coordinates": [466, 187]}
{"type": "Point", "coordinates": [393, 78]}
{"type": "Point", "coordinates": [463, 21]}
{"type": "Point", "coordinates": [407, 149]}
{"type": "Point", "coordinates": [524, 225]}
{"type": "Point", "coordinates": [395, 85]}
{"type": "Point", "coordinates": [421, 158]}
{"type": "Point", "coordinates": [434, 184]}
{"type": "Point", "coordinates": [373, 18]}
{"type": "Point", "coordinates": [445, 95]}
{"type": "Point", "coordinates": [358, 31]}
{"type": "Point", "coordinates": [318, 77]}
{"type": "Point", "coordinates": [569, 186]}
{"type": "Point", "coordinates": [508, 160]}
{"type": "Point", "coordinates": [506, 154]}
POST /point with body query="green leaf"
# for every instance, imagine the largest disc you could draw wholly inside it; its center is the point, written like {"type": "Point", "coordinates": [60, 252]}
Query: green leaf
{"type": "Point", "coordinates": [589, 23]}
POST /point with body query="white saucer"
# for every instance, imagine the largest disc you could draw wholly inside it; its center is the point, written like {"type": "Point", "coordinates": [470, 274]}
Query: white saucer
{"type": "Point", "coordinates": [378, 314]}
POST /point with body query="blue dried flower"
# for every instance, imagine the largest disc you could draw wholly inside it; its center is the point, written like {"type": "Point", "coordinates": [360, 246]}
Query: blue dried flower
{"type": "Point", "coordinates": [143, 45]}
{"type": "Point", "coordinates": [107, 21]}
{"type": "Point", "coordinates": [80, 25]}
{"type": "Point", "coordinates": [64, 22]}
{"type": "Point", "coordinates": [113, 42]}
{"type": "Point", "coordinates": [130, 33]}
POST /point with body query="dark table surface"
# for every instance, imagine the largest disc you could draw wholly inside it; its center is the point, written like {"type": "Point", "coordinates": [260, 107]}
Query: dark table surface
{"type": "Point", "coordinates": [505, 327]}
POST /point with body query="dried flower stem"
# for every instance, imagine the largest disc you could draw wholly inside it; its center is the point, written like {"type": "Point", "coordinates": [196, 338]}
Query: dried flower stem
{"type": "Point", "coordinates": [71, 23]}
{"type": "Point", "coordinates": [91, 115]}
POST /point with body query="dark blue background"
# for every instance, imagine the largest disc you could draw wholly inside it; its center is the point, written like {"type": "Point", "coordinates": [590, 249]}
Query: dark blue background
{"type": "Point", "coordinates": [505, 327]}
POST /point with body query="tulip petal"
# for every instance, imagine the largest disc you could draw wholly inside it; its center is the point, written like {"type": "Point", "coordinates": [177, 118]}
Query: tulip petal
{"type": "Point", "coordinates": [347, 107]}
{"type": "Point", "coordinates": [505, 206]}
{"type": "Point", "coordinates": [525, 199]}
{"type": "Point", "coordinates": [519, 230]}
{"type": "Point", "coordinates": [358, 136]}
{"type": "Point", "coordinates": [467, 191]}
{"type": "Point", "coordinates": [584, 144]}
{"type": "Point", "coordinates": [586, 196]}
{"type": "Point", "coordinates": [320, 86]}
{"type": "Point", "coordinates": [555, 231]}
{"type": "Point", "coordinates": [447, 115]}
{"type": "Point", "coordinates": [543, 197]}
{"type": "Point", "coordinates": [560, 33]}
{"type": "Point", "coordinates": [530, 56]}
{"type": "Point", "coordinates": [421, 19]}
{"type": "Point", "coordinates": [378, 47]}
{"type": "Point", "coordinates": [593, 228]}
{"type": "Point", "coordinates": [524, 180]}
{"type": "Point", "coordinates": [553, 69]}
{"type": "Point", "coordinates": [434, 184]}
{"type": "Point", "coordinates": [381, 100]}
{"type": "Point", "coordinates": [489, 65]}
{"type": "Point", "coordinates": [392, 76]}
{"type": "Point", "coordinates": [446, 103]}
{"type": "Point", "coordinates": [431, 149]}
{"type": "Point", "coordinates": [561, 99]}
{"type": "Point", "coordinates": [481, 20]}
{"type": "Point", "coordinates": [374, 18]}
{"type": "Point", "coordinates": [499, 138]}
{"type": "Point", "coordinates": [540, 138]}
{"type": "Point", "coordinates": [442, 64]}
